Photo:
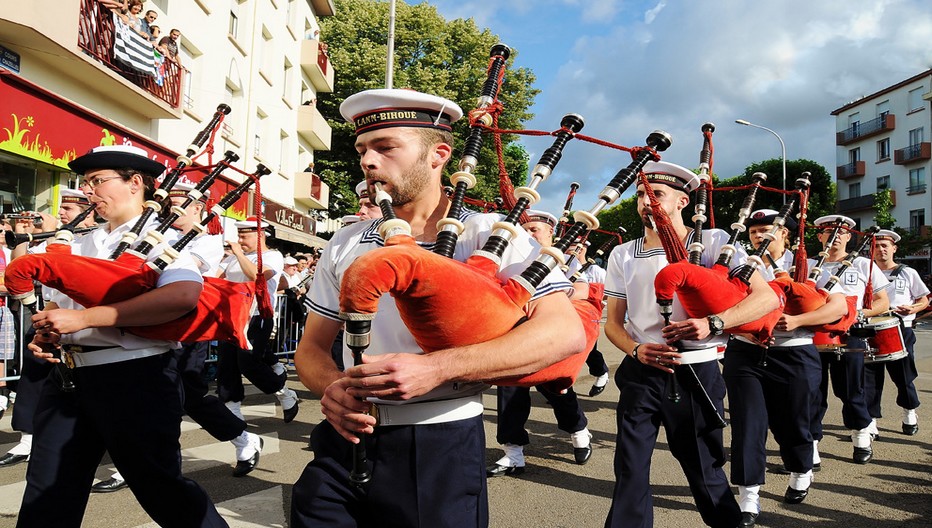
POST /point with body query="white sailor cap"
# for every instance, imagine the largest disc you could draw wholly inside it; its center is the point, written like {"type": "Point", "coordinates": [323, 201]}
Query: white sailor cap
{"type": "Point", "coordinates": [541, 216]}
{"type": "Point", "coordinates": [886, 233]}
{"type": "Point", "coordinates": [116, 157]}
{"type": "Point", "coordinates": [350, 219]}
{"type": "Point", "coordinates": [767, 217]}
{"type": "Point", "coordinates": [393, 107]}
{"type": "Point", "coordinates": [181, 189]}
{"type": "Point", "coordinates": [831, 220]}
{"type": "Point", "coordinates": [74, 196]}
{"type": "Point", "coordinates": [249, 224]}
{"type": "Point", "coordinates": [362, 189]}
{"type": "Point", "coordinates": [680, 178]}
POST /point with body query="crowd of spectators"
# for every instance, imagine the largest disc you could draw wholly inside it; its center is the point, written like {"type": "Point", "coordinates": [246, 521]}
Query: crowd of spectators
{"type": "Point", "coordinates": [129, 13]}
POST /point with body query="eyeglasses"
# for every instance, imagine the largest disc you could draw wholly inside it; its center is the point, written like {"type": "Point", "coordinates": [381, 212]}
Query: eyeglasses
{"type": "Point", "coordinates": [93, 183]}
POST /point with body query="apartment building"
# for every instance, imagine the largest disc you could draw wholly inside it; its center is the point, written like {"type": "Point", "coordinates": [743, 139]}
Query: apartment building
{"type": "Point", "coordinates": [883, 142]}
{"type": "Point", "coordinates": [67, 84]}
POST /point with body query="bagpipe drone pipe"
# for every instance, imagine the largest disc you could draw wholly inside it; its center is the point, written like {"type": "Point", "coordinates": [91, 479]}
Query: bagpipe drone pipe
{"type": "Point", "coordinates": [222, 312]}
{"type": "Point", "coordinates": [706, 291]}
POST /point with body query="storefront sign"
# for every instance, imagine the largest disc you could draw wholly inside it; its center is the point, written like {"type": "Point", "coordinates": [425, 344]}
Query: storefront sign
{"type": "Point", "coordinates": [9, 59]}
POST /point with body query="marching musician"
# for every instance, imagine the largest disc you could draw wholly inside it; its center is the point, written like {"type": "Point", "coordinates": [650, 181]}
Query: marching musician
{"type": "Point", "coordinates": [598, 368]}
{"type": "Point", "coordinates": [514, 403]}
{"type": "Point", "coordinates": [846, 371]}
{"type": "Point", "coordinates": [908, 296]}
{"type": "Point", "coordinates": [774, 386]}
{"type": "Point", "coordinates": [647, 378]}
{"type": "Point", "coordinates": [258, 365]}
{"type": "Point", "coordinates": [429, 465]}
{"type": "Point", "coordinates": [367, 209]}
{"type": "Point", "coordinates": [73, 203]}
{"type": "Point", "coordinates": [127, 400]}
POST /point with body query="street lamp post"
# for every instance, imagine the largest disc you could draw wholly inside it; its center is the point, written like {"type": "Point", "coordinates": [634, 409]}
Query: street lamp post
{"type": "Point", "coordinates": [782, 147]}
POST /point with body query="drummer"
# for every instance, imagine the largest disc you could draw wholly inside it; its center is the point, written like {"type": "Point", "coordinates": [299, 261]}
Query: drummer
{"type": "Point", "coordinates": [847, 370]}
{"type": "Point", "coordinates": [908, 296]}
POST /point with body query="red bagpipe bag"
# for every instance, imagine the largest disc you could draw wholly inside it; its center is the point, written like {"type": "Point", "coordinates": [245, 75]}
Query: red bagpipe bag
{"type": "Point", "coordinates": [804, 297]}
{"type": "Point", "coordinates": [222, 312]}
{"type": "Point", "coordinates": [445, 303]}
{"type": "Point", "coordinates": [706, 291]}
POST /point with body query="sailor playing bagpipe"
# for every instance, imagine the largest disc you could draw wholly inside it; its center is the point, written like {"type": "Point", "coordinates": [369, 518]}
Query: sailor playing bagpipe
{"type": "Point", "coordinates": [421, 414]}
{"type": "Point", "coordinates": [656, 379]}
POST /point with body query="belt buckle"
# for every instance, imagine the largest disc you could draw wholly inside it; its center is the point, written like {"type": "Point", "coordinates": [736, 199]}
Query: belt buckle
{"type": "Point", "coordinates": [67, 357]}
{"type": "Point", "coordinates": [374, 412]}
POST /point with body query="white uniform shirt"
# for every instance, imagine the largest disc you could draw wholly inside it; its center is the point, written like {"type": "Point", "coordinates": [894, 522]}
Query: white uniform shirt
{"type": "Point", "coordinates": [100, 244]}
{"type": "Point", "coordinates": [905, 288]}
{"type": "Point", "coordinates": [389, 334]}
{"type": "Point", "coordinates": [271, 259]}
{"type": "Point", "coordinates": [785, 262]}
{"type": "Point", "coordinates": [630, 276]}
{"type": "Point", "coordinates": [595, 274]}
{"type": "Point", "coordinates": [854, 280]}
{"type": "Point", "coordinates": [208, 252]}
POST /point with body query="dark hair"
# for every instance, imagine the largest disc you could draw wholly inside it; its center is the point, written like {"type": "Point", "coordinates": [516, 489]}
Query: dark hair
{"type": "Point", "coordinates": [148, 180]}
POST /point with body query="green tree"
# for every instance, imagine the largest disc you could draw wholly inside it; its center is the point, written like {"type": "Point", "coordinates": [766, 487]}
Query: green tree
{"type": "Point", "coordinates": [883, 203]}
{"type": "Point", "coordinates": [446, 58]}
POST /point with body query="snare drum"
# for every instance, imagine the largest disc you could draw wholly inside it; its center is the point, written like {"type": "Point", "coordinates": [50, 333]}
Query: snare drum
{"type": "Point", "coordinates": [887, 343]}
{"type": "Point", "coordinates": [828, 343]}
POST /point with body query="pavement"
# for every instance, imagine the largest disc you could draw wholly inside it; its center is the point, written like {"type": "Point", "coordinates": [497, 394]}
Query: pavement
{"type": "Point", "coordinates": [894, 490]}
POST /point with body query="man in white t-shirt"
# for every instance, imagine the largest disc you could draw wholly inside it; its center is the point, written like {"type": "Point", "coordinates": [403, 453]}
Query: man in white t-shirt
{"type": "Point", "coordinates": [429, 464]}
{"type": "Point", "coordinates": [258, 365]}
{"type": "Point", "coordinates": [908, 296]}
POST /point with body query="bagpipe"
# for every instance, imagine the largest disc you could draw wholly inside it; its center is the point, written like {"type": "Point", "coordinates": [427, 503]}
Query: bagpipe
{"type": "Point", "coordinates": [706, 291]}
{"type": "Point", "coordinates": [223, 309]}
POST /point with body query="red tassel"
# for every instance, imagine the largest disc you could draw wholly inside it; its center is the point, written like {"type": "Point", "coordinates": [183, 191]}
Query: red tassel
{"type": "Point", "coordinates": [672, 245]}
{"type": "Point", "coordinates": [869, 288]}
{"type": "Point", "coordinates": [214, 227]}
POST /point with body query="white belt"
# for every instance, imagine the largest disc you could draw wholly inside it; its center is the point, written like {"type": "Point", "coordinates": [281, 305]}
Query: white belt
{"type": "Point", "coordinates": [113, 355]}
{"type": "Point", "coordinates": [701, 355]}
{"type": "Point", "coordinates": [429, 412]}
{"type": "Point", "coordinates": [791, 341]}
{"type": "Point", "coordinates": [908, 324]}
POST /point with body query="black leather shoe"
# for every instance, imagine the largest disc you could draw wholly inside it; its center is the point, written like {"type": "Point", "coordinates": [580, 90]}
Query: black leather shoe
{"type": "Point", "coordinates": [595, 391]}
{"type": "Point", "coordinates": [910, 430]}
{"type": "Point", "coordinates": [862, 455]}
{"type": "Point", "coordinates": [498, 470]}
{"type": "Point", "coordinates": [582, 454]}
{"type": "Point", "coordinates": [748, 519]}
{"type": "Point", "coordinates": [245, 467]}
{"type": "Point", "coordinates": [108, 486]}
{"type": "Point", "coordinates": [795, 496]}
{"type": "Point", "coordinates": [290, 413]}
{"type": "Point", "coordinates": [10, 459]}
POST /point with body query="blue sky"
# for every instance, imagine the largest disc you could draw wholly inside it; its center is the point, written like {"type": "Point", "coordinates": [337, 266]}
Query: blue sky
{"type": "Point", "coordinates": [631, 67]}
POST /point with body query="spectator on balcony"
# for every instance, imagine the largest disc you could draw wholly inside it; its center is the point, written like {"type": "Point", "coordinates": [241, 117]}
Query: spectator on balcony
{"type": "Point", "coordinates": [170, 43]}
{"type": "Point", "coordinates": [146, 22]}
{"type": "Point", "coordinates": [131, 18]}
{"type": "Point", "coordinates": [154, 32]}
{"type": "Point", "coordinates": [120, 6]}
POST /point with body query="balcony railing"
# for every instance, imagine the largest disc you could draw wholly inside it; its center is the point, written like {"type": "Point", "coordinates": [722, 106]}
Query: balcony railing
{"type": "Point", "coordinates": [316, 64]}
{"type": "Point", "coordinates": [917, 152]}
{"type": "Point", "coordinates": [851, 170]}
{"type": "Point", "coordinates": [866, 129]}
{"type": "Point", "coordinates": [861, 202]}
{"type": "Point", "coordinates": [313, 127]}
{"type": "Point", "coordinates": [95, 37]}
{"type": "Point", "coordinates": [916, 189]}
{"type": "Point", "coordinates": [311, 191]}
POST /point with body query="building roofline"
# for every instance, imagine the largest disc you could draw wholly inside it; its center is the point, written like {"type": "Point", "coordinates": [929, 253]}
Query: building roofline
{"type": "Point", "coordinates": [886, 90]}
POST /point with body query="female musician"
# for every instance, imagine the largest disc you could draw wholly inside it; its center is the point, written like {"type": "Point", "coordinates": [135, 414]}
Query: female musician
{"type": "Point", "coordinates": [846, 371]}
{"type": "Point", "coordinates": [432, 401]}
{"type": "Point", "coordinates": [127, 400]}
{"type": "Point", "coordinates": [257, 365]}
{"type": "Point", "coordinates": [644, 378]}
{"type": "Point", "coordinates": [908, 296]}
{"type": "Point", "coordinates": [774, 386]}
{"type": "Point", "coordinates": [73, 203]}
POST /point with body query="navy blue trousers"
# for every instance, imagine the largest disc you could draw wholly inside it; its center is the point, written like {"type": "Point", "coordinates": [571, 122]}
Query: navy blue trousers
{"type": "Point", "coordinates": [903, 373]}
{"type": "Point", "coordinates": [642, 408]}
{"type": "Point", "coordinates": [846, 372]}
{"type": "Point", "coordinates": [233, 363]}
{"type": "Point", "coordinates": [771, 388]}
{"type": "Point", "coordinates": [514, 408]}
{"type": "Point", "coordinates": [423, 476]}
{"type": "Point", "coordinates": [28, 389]}
{"type": "Point", "coordinates": [596, 362]}
{"type": "Point", "coordinates": [132, 409]}
{"type": "Point", "coordinates": [204, 408]}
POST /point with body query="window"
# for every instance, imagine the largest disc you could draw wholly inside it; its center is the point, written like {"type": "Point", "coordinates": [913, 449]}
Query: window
{"type": "Point", "coordinates": [914, 100]}
{"type": "Point", "coordinates": [883, 149]}
{"type": "Point", "coordinates": [283, 150]}
{"type": "Point", "coordinates": [917, 181]}
{"type": "Point", "coordinates": [883, 182]}
{"type": "Point", "coordinates": [854, 155]}
{"type": "Point", "coordinates": [883, 109]}
{"type": "Point", "coordinates": [917, 219]}
{"type": "Point", "coordinates": [234, 24]}
{"type": "Point", "coordinates": [286, 81]}
{"type": "Point", "coordinates": [260, 133]}
{"type": "Point", "coordinates": [916, 136]}
{"type": "Point", "coordinates": [854, 190]}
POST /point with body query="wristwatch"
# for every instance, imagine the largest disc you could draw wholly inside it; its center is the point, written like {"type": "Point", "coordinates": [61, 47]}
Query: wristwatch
{"type": "Point", "coordinates": [716, 325]}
